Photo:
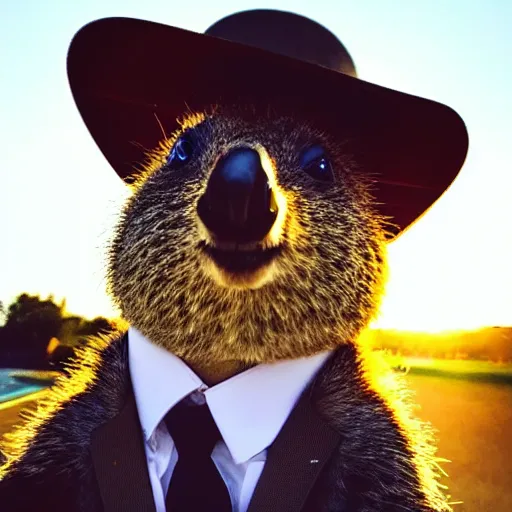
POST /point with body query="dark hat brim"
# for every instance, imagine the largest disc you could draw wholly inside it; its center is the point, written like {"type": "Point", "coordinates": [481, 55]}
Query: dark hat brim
{"type": "Point", "coordinates": [127, 75]}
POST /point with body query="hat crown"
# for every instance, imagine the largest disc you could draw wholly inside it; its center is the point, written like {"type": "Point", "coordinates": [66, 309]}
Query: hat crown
{"type": "Point", "coordinates": [288, 34]}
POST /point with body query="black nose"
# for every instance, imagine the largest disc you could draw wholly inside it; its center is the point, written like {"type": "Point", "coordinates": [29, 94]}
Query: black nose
{"type": "Point", "coordinates": [238, 204]}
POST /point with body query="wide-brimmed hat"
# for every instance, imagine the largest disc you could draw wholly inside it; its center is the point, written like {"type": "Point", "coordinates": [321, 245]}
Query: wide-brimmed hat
{"type": "Point", "coordinates": [132, 77]}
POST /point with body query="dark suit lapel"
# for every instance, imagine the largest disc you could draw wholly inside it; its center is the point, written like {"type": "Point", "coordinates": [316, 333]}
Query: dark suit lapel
{"type": "Point", "coordinates": [120, 462]}
{"type": "Point", "coordinates": [294, 460]}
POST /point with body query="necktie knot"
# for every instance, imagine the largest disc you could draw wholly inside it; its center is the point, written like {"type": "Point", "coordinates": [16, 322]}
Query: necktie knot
{"type": "Point", "coordinates": [192, 428]}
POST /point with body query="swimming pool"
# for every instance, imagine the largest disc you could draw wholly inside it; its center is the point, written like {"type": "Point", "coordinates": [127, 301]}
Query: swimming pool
{"type": "Point", "coordinates": [11, 388]}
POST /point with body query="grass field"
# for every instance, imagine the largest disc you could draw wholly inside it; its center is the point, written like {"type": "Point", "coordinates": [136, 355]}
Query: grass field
{"type": "Point", "coordinates": [471, 409]}
{"type": "Point", "coordinates": [474, 423]}
{"type": "Point", "coordinates": [476, 371]}
{"type": "Point", "coordinates": [470, 405]}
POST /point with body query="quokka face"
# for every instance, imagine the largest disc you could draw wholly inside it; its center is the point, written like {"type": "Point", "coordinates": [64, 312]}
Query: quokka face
{"type": "Point", "coordinates": [248, 237]}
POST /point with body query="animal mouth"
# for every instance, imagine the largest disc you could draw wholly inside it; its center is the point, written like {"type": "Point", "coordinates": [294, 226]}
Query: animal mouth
{"type": "Point", "coordinates": [238, 259]}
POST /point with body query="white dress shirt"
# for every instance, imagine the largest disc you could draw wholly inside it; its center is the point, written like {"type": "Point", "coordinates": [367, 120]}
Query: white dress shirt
{"type": "Point", "coordinates": [249, 410]}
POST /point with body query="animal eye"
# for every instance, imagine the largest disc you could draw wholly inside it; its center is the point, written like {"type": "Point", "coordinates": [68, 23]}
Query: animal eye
{"type": "Point", "coordinates": [181, 152]}
{"type": "Point", "coordinates": [314, 161]}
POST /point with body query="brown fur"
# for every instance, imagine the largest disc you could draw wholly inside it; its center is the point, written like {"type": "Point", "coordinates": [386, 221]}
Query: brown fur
{"type": "Point", "coordinates": [321, 292]}
{"type": "Point", "coordinates": [323, 289]}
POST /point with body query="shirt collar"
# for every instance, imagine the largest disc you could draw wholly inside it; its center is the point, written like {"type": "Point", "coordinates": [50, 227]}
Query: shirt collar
{"type": "Point", "coordinates": [159, 379]}
{"type": "Point", "coordinates": [249, 408]}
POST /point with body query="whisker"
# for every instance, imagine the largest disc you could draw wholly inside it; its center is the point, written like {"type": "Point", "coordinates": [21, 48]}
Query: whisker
{"type": "Point", "coordinates": [161, 127]}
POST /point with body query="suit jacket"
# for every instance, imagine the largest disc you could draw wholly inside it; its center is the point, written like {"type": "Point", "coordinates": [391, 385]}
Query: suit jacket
{"type": "Point", "coordinates": [347, 446]}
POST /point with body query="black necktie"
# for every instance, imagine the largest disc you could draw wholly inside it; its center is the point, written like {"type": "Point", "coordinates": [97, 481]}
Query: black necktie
{"type": "Point", "coordinates": [196, 485]}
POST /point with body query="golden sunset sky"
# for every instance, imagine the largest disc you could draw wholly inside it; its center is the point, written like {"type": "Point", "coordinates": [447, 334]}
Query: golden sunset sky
{"type": "Point", "coordinates": [59, 197]}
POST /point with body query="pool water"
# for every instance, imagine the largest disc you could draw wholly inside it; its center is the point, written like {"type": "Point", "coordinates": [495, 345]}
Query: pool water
{"type": "Point", "coordinates": [11, 388]}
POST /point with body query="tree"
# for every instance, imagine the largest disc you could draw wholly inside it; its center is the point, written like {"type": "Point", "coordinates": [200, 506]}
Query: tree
{"type": "Point", "coordinates": [98, 325]}
{"type": "Point", "coordinates": [30, 324]}
{"type": "Point", "coordinates": [75, 330]}
{"type": "Point", "coordinates": [35, 318]}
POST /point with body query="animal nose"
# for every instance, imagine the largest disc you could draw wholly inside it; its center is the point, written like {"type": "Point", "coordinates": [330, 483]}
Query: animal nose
{"type": "Point", "coordinates": [238, 205]}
